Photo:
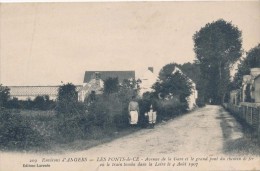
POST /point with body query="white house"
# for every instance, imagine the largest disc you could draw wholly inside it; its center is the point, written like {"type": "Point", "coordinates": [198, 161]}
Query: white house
{"type": "Point", "coordinates": [194, 94]}
{"type": "Point", "coordinates": [253, 81]}
{"type": "Point", "coordinates": [94, 81]}
{"type": "Point", "coordinates": [147, 80]}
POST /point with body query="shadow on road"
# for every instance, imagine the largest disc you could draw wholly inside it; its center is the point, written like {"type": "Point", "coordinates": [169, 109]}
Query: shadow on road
{"type": "Point", "coordinates": [238, 139]}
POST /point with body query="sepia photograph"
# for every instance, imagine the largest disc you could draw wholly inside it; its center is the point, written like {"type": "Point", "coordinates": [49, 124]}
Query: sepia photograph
{"type": "Point", "coordinates": [129, 85]}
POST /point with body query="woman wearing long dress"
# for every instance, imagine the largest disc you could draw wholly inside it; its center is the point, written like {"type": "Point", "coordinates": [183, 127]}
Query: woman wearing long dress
{"type": "Point", "coordinates": [133, 109]}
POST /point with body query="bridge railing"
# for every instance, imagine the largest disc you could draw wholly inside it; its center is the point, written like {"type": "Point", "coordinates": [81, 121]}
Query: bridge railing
{"type": "Point", "coordinates": [247, 112]}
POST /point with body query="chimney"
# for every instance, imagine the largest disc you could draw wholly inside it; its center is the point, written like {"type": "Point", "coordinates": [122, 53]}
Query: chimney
{"type": "Point", "coordinates": [97, 75]}
{"type": "Point", "coordinates": [150, 69]}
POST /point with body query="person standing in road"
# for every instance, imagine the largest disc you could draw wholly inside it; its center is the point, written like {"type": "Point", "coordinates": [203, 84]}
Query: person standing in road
{"type": "Point", "coordinates": [133, 109]}
{"type": "Point", "coordinates": [151, 117]}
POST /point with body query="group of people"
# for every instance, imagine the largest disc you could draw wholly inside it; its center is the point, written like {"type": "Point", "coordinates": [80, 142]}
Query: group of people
{"type": "Point", "coordinates": [134, 112]}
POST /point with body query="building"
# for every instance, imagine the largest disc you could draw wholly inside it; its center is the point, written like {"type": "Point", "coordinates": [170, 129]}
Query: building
{"type": "Point", "coordinates": [31, 92]}
{"type": "Point", "coordinates": [251, 83]}
{"type": "Point", "coordinates": [94, 81]}
{"type": "Point", "coordinates": [103, 75]}
{"type": "Point", "coordinates": [147, 80]}
{"type": "Point", "coordinates": [250, 89]}
{"type": "Point", "coordinates": [256, 89]}
{"type": "Point", "coordinates": [194, 93]}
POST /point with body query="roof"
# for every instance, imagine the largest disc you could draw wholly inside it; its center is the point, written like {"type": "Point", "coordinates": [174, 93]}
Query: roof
{"type": "Point", "coordinates": [178, 69]}
{"type": "Point", "coordinates": [35, 90]}
{"type": "Point", "coordinates": [121, 75]}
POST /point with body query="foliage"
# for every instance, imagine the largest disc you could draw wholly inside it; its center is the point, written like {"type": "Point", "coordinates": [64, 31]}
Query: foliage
{"type": "Point", "coordinates": [70, 128]}
{"type": "Point", "coordinates": [39, 103]}
{"type": "Point", "coordinates": [67, 101]}
{"type": "Point", "coordinates": [111, 85]}
{"type": "Point", "coordinates": [170, 108]}
{"type": "Point", "coordinates": [217, 47]}
{"type": "Point", "coordinates": [173, 84]}
{"type": "Point", "coordinates": [13, 104]}
{"type": "Point", "coordinates": [43, 103]}
{"type": "Point", "coordinates": [109, 111]}
{"type": "Point", "coordinates": [130, 84]}
{"type": "Point", "coordinates": [148, 99]}
{"type": "Point", "coordinates": [252, 60]}
{"type": "Point", "coordinates": [166, 71]}
{"type": "Point", "coordinates": [191, 70]}
{"type": "Point", "coordinates": [91, 97]}
{"type": "Point", "coordinates": [4, 95]}
{"type": "Point", "coordinates": [16, 133]}
{"type": "Point", "coordinates": [70, 114]}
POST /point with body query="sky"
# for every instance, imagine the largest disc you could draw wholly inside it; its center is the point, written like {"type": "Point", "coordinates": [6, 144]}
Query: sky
{"type": "Point", "coordinates": [46, 43]}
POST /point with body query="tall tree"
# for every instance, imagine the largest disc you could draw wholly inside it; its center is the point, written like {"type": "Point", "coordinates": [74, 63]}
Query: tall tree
{"type": "Point", "coordinates": [173, 84]}
{"type": "Point", "coordinates": [67, 99]}
{"type": "Point", "coordinates": [218, 45]}
{"type": "Point", "coordinates": [252, 60]}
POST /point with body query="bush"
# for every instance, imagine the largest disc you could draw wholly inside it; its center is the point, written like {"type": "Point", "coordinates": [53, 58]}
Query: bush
{"type": "Point", "coordinates": [102, 115]}
{"type": "Point", "coordinates": [70, 128]}
{"type": "Point", "coordinates": [4, 95]}
{"type": "Point", "coordinates": [105, 111]}
{"type": "Point", "coordinates": [67, 101]}
{"type": "Point", "coordinates": [16, 133]}
{"type": "Point", "coordinates": [110, 111]}
{"type": "Point", "coordinates": [200, 101]}
{"type": "Point", "coordinates": [13, 104]}
{"type": "Point", "coordinates": [169, 108]}
{"type": "Point", "coordinates": [111, 85]}
{"type": "Point", "coordinates": [39, 103]}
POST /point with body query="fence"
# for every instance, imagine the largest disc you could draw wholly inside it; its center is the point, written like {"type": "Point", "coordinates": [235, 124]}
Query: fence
{"type": "Point", "coordinates": [247, 112]}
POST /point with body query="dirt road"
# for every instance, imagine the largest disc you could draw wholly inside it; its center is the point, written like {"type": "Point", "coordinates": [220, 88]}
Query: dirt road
{"type": "Point", "coordinates": [209, 132]}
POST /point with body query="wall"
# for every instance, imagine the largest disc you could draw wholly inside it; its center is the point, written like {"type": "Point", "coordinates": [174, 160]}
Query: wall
{"type": "Point", "coordinates": [257, 90]}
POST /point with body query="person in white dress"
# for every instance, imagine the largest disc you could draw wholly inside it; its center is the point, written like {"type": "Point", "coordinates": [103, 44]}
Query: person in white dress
{"type": "Point", "coordinates": [133, 109]}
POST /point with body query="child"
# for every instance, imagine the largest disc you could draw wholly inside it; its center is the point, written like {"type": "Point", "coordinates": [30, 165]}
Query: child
{"type": "Point", "coordinates": [151, 115]}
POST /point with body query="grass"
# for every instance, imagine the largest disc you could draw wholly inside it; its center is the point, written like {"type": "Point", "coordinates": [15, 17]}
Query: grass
{"type": "Point", "coordinates": [44, 124]}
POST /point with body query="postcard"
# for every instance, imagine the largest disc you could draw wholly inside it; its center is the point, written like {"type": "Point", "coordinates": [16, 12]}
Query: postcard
{"type": "Point", "coordinates": [133, 86]}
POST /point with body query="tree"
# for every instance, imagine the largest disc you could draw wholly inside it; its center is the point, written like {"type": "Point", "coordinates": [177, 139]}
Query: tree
{"type": "Point", "coordinates": [67, 99]}
{"type": "Point", "coordinates": [42, 102]}
{"type": "Point", "coordinates": [173, 84]}
{"type": "Point", "coordinates": [252, 60]}
{"type": "Point", "coordinates": [39, 102]}
{"type": "Point", "coordinates": [111, 85]}
{"type": "Point", "coordinates": [4, 95]}
{"type": "Point", "coordinates": [218, 45]}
